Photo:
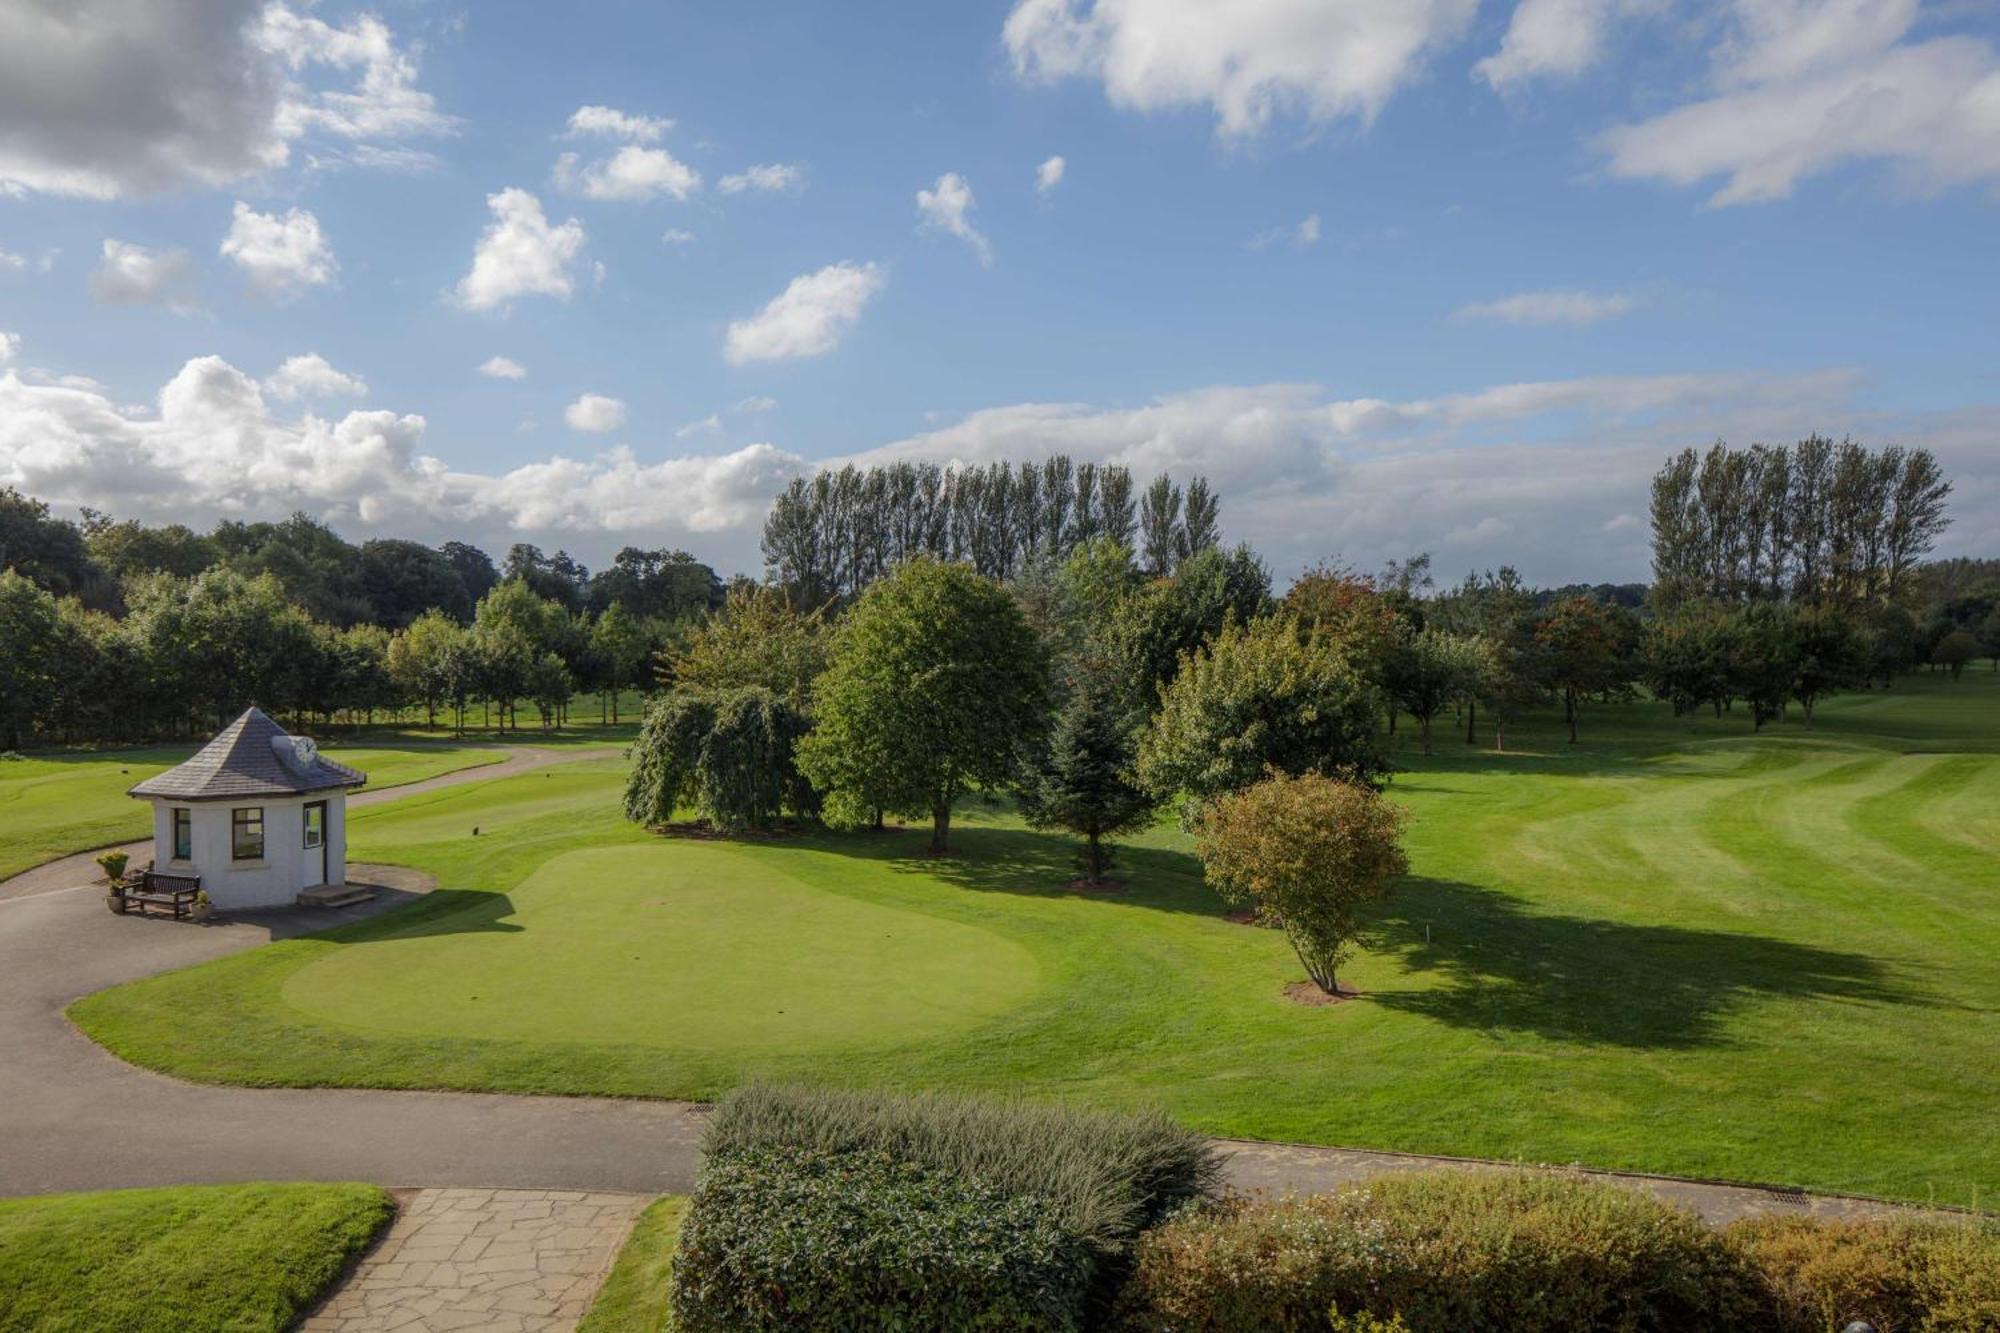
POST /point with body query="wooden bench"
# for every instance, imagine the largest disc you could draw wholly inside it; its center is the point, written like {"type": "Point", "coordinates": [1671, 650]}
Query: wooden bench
{"type": "Point", "coordinates": [152, 889]}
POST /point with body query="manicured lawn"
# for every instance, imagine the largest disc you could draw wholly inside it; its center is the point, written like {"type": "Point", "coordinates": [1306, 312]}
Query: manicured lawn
{"type": "Point", "coordinates": [1674, 947]}
{"type": "Point", "coordinates": [57, 803]}
{"type": "Point", "coordinates": [202, 1257]}
{"type": "Point", "coordinates": [634, 1297]}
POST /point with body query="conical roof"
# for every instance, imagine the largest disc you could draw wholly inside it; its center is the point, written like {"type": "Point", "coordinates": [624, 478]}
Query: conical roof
{"type": "Point", "coordinates": [252, 756]}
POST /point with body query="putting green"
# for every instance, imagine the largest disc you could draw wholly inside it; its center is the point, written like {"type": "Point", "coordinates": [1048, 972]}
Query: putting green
{"type": "Point", "coordinates": [684, 945]}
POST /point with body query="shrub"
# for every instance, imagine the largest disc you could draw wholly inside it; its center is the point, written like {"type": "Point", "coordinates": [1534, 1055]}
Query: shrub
{"type": "Point", "coordinates": [1444, 1252]}
{"type": "Point", "coordinates": [1104, 1178]}
{"type": "Point", "coordinates": [803, 1238]}
{"type": "Point", "coordinates": [1902, 1277]}
{"type": "Point", "coordinates": [113, 865]}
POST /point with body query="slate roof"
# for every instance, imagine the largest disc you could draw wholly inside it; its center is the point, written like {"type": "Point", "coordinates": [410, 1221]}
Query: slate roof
{"type": "Point", "coordinates": [252, 756]}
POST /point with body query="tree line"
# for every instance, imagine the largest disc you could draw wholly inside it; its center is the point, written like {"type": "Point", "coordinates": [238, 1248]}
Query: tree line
{"type": "Point", "coordinates": [1813, 522]}
{"type": "Point", "coordinates": [830, 535]}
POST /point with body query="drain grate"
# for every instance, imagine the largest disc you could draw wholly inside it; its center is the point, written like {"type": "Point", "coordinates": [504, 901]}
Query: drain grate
{"type": "Point", "coordinates": [1791, 1198]}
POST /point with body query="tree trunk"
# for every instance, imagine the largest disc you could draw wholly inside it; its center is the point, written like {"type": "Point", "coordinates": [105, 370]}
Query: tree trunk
{"type": "Point", "coordinates": [1319, 969]}
{"type": "Point", "coordinates": [1500, 735]}
{"type": "Point", "coordinates": [940, 828]}
{"type": "Point", "coordinates": [878, 819]}
{"type": "Point", "coordinates": [1094, 857]}
{"type": "Point", "coordinates": [1425, 724]}
{"type": "Point", "coordinates": [1569, 707]}
{"type": "Point", "coordinates": [1471, 721]}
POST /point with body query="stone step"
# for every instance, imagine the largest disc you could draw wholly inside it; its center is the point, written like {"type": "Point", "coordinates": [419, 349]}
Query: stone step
{"type": "Point", "coordinates": [335, 895]}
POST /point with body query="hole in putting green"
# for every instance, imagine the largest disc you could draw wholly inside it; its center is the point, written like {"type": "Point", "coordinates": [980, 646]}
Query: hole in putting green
{"type": "Point", "coordinates": [680, 945]}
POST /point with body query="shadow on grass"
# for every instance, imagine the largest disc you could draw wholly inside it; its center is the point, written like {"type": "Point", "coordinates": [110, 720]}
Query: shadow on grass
{"type": "Point", "coordinates": [439, 912]}
{"type": "Point", "coordinates": [1599, 982]}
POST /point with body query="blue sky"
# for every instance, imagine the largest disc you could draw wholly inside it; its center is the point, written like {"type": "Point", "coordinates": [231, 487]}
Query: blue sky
{"type": "Point", "coordinates": [1396, 274]}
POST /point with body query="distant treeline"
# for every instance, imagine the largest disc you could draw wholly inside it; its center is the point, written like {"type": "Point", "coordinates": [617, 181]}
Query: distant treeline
{"type": "Point", "coordinates": [830, 535]}
{"type": "Point", "coordinates": [1814, 522]}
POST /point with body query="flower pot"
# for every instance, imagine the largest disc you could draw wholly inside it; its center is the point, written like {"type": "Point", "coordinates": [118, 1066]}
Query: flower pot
{"type": "Point", "coordinates": [116, 902]}
{"type": "Point", "coordinates": [201, 911]}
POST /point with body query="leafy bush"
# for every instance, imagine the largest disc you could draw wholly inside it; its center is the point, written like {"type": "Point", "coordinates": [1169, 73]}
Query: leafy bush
{"type": "Point", "coordinates": [803, 1238]}
{"type": "Point", "coordinates": [1103, 1177]}
{"type": "Point", "coordinates": [1902, 1277]}
{"type": "Point", "coordinates": [728, 754]}
{"type": "Point", "coordinates": [1446, 1252]}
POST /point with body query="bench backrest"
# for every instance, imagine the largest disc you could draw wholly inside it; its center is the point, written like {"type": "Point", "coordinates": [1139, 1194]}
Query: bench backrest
{"type": "Point", "coordinates": [157, 882]}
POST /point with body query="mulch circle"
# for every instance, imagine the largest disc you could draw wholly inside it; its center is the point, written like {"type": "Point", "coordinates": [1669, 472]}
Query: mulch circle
{"type": "Point", "coordinates": [1309, 993]}
{"type": "Point", "coordinates": [1100, 887]}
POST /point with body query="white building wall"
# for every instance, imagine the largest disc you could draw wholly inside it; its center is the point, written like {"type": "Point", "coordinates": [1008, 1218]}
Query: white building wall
{"type": "Point", "coordinates": [271, 881]}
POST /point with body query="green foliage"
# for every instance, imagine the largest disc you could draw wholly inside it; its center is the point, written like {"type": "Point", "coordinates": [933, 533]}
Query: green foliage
{"type": "Point", "coordinates": [1171, 617]}
{"type": "Point", "coordinates": [169, 1260]}
{"type": "Point", "coordinates": [29, 665]}
{"type": "Point", "coordinates": [757, 638]}
{"type": "Point", "coordinates": [1444, 1252]}
{"type": "Point", "coordinates": [1262, 696]}
{"type": "Point", "coordinates": [1910, 1277]}
{"type": "Point", "coordinates": [1083, 780]}
{"type": "Point", "coordinates": [935, 684]}
{"type": "Point", "coordinates": [113, 865]}
{"type": "Point", "coordinates": [1103, 1178]}
{"type": "Point", "coordinates": [730, 755]}
{"type": "Point", "coordinates": [805, 1239]}
{"type": "Point", "coordinates": [1308, 853]}
{"type": "Point", "coordinates": [1582, 643]}
{"type": "Point", "coordinates": [1954, 650]}
{"type": "Point", "coordinates": [1429, 670]}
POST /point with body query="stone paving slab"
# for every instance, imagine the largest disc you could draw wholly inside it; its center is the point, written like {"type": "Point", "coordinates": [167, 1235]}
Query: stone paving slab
{"type": "Point", "coordinates": [512, 1261]}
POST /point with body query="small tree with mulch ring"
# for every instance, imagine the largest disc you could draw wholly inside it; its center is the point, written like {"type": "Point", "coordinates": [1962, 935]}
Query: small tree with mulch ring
{"type": "Point", "coordinates": [1308, 853]}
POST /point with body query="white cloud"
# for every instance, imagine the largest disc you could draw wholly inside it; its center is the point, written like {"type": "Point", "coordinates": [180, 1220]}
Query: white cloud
{"type": "Point", "coordinates": [282, 255]}
{"type": "Point", "coordinates": [502, 368]}
{"type": "Point", "coordinates": [708, 425]}
{"type": "Point", "coordinates": [311, 376]}
{"type": "Point", "coordinates": [1302, 235]}
{"type": "Point", "coordinates": [520, 254]}
{"type": "Point", "coordinates": [1050, 173]}
{"type": "Point", "coordinates": [614, 124]}
{"type": "Point", "coordinates": [1249, 60]}
{"type": "Point", "coordinates": [1801, 87]}
{"type": "Point", "coordinates": [11, 261]}
{"type": "Point", "coordinates": [1562, 466]}
{"type": "Point", "coordinates": [808, 318]}
{"type": "Point", "coordinates": [212, 449]}
{"type": "Point", "coordinates": [595, 413]}
{"type": "Point", "coordinates": [755, 403]}
{"type": "Point", "coordinates": [133, 275]}
{"type": "Point", "coordinates": [1575, 309]}
{"type": "Point", "coordinates": [768, 177]}
{"type": "Point", "coordinates": [106, 98]}
{"type": "Point", "coordinates": [677, 236]}
{"type": "Point", "coordinates": [1548, 39]}
{"type": "Point", "coordinates": [947, 206]}
{"type": "Point", "coordinates": [10, 345]}
{"type": "Point", "coordinates": [632, 173]}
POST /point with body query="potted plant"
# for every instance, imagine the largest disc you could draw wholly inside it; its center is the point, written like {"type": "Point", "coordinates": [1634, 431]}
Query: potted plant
{"type": "Point", "coordinates": [113, 864]}
{"type": "Point", "coordinates": [203, 909]}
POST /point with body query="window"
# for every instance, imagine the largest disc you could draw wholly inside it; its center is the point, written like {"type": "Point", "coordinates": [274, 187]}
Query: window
{"type": "Point", "coordinates": [246, 834]}
{"type": "Point", "coordinates": [183, 835]}
{"type": "Point", "coordinates": [315, 825]}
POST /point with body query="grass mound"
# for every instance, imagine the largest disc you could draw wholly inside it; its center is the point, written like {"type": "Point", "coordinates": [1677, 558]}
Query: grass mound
{"type": "Point", "coordinates": [197, 1257]}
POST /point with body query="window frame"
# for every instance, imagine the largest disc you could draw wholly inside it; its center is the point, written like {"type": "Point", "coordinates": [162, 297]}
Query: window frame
{"type": "Point", "coordinates": [181, 831]}
{"type": "Point", "coordinates": [241, 817]}
{"type": "Point", "coordinates": [306, 821]}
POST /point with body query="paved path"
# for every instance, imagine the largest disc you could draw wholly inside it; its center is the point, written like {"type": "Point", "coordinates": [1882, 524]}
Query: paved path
{"type": "Point", "coordinates": [70, 1109]}
{"type": "Point", "coordinates": [506, 1261]}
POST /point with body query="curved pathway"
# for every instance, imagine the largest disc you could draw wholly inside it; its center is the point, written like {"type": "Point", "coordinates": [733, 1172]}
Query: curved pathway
{"type": "Point", "coordinates": [77, 1118]}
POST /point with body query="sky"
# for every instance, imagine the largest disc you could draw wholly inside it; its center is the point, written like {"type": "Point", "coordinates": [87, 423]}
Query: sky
{"type": "Point", "coordinates": [1395, 275]}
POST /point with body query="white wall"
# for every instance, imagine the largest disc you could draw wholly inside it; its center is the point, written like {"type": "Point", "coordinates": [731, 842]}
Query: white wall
{"type": "Point", "coordinates": [273, 881]}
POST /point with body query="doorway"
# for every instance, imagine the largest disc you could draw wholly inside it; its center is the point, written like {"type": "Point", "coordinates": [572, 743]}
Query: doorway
{"type": "Point", "coordinates": [315, 858]}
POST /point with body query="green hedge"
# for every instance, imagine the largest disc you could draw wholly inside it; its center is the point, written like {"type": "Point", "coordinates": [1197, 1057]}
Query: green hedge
{"type": "Point", "coordinates": [1444, 1252]}
{"type": "Point", "coordinates": [1900, 1276]}
{"type": "Point", "coordinates": [805, 1239]}
{"type": "Point", "coordinates": [1106, 1177]}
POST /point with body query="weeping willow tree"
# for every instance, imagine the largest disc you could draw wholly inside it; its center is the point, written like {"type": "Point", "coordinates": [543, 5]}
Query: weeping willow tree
{"type": "Point", "coordinates": [728, 755]}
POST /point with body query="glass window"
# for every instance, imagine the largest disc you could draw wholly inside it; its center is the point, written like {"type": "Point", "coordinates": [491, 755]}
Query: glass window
{"type": "Point", "coordinates": [315, 825]}
{"type": "Point", "coordinates": [246, 834]}
{"type": "Point", "coordinates": [183, 835]}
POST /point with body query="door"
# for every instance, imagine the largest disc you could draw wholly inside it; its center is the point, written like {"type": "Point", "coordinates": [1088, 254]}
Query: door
{"type": "Point", "coordinates": [314, 868]}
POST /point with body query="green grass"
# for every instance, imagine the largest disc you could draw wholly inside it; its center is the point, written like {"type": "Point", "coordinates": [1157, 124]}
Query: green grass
{"type": "Point", "coordinates": [198, 1257]}
{"type": "Point", "coordinates": [59, 802]}
{"type": "Point", "coordinates": [1674, 947]}
{"type": "Point", "coordinates": [635, 1296]}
